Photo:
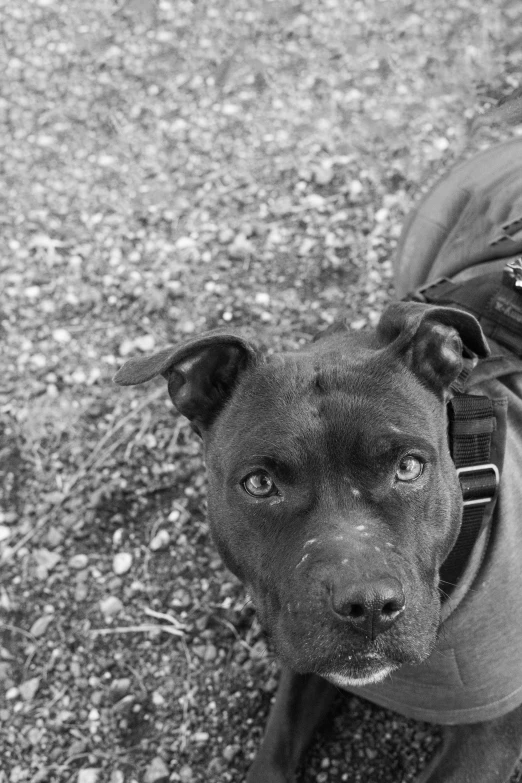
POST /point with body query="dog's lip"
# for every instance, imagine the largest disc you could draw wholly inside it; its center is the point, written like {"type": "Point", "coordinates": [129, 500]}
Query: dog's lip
{"type": "Point", "coordinates": [366, 676]}
{"type": "Point", "coordinates": [359, 669]}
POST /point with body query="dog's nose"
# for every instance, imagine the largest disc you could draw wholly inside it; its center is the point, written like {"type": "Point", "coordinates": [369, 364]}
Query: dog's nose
{"type": "Point", "coordinates": [370, 607]}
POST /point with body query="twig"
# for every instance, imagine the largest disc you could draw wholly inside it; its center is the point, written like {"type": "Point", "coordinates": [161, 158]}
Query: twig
{"type": "Point", "coordinates": [163, 616]}
{"type": "Point", "coordinates": [136, 629]}
{"type": "Point", "coordinates": [16, 629]}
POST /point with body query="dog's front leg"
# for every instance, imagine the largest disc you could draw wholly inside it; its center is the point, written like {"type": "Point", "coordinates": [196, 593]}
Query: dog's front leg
{"type": "Point", "coordinates": [479, 752]}
{"type": "Point", "coordinates": [301, 703]}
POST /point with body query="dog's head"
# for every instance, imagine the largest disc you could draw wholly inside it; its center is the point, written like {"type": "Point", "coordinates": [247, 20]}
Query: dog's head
{"type": "Point", "coordinates": [332, 493]}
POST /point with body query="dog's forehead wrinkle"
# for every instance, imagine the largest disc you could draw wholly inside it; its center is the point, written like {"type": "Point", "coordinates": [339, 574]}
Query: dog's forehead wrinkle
{"type": "Point", "coordinates": [304, 393]}
{"type": "Point", "coordinates": [346, 381]}
{"type": "Point", "coordinates": [323, 367]}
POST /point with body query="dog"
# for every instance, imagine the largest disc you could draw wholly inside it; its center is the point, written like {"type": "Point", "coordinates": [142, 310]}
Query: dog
{"type": "Point", "coordinates": [334, 496]}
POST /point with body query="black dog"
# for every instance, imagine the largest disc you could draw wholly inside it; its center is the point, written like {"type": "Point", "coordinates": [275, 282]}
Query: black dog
{"type": "Point", "coordinates": [353, 488]}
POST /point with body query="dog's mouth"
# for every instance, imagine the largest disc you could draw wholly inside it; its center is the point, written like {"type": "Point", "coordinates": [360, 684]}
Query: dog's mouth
{"type": "Point", "coordinates": [309, 641]}
{"type": "Point", "coordinates": [350, 660]}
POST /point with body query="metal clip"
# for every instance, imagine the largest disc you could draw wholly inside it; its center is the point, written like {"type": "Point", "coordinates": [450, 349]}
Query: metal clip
{"type": "Point", "coordinates": [467, 489]}
{"type": "Point", "coordinates": [514, 269]}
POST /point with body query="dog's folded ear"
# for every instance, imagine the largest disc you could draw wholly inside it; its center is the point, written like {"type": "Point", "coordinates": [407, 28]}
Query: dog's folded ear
{"type": "Point", "coordinates": [201, 373]}
{"type": "Point", "coordinates": [433, 341]}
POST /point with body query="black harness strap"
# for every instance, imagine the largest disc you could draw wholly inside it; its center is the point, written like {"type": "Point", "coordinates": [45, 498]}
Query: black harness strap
{"type": "Point", "coordinates": [472, 423]}
{"type": "Point", "coordinates": [496, 301]}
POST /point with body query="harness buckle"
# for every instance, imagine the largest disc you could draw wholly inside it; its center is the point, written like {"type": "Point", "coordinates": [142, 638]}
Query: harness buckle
{"type": "Point", "coordinates": [479, 483]}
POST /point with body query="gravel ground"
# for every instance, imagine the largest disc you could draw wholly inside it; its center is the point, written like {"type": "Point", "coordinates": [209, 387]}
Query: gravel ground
{"type": "Point", "coordinates": [169, 167]}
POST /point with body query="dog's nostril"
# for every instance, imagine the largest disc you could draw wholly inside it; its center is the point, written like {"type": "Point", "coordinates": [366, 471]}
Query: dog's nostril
{"type": "Point", "coordinates": [391, 607]}
{"type": "Point", "coordinates": [356, 610]}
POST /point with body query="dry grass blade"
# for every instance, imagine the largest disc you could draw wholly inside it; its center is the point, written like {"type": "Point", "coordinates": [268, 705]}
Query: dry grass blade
{"type": "Point", "coordinates": [136, 629]}
{"type": "Point", "coordinates": [163, 616]}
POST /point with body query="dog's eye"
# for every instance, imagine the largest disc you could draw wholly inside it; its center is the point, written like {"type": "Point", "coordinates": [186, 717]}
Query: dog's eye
{"type": "Point", "coordinates": [259, 484]}
{"type": "Point", "coordinates": [409, 469]}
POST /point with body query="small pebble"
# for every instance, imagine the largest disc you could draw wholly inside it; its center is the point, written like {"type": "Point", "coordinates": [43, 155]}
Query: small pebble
{"type": "Point", "coordinates": [124, 706]}
{"type": "Point", "coordinates": [78, 562]}
{"type": "Point", "coordinates": [126, 347]}
{"type": "Point", "coordinates": [39, 627]}
{"type": "Point", "coordinates": [80, 592]}
{"type": "Point", "coordinates": [230, 752]}
{"type": "Point", "coordinates": [42, 776]}
{"type": "Point", "coordinates": [28, 688]}
{"type": "Point", "coordinates": [157, 699]}
{"type": "Point", "coordinates": [120, 688]}
{"type": "Point", "coordinates": [441, 143]}
{"type": "Point", "coordinates": [185, 243]}
{"type": "Point", "coordinates": [61, 336]}
{"type": "Point", "coordinates": [111, 606]}
{"type": "Point", "coordinates": [225, 236]}
{"type": "Point", "coordinates": [241, 247]}
{"type": "Point", "coordinates": [54, 537]}
{"type": "Point", "coordinates": [355, 188]}
{"type": "Point", "coordinates": [323, 175]}
{"type": "Point", "coordinates": [97, 698]}
{"type": "Point", "coordinates": [160, 541]}
{"type": "Point", "coordinates": [145, 343]}
{"type": "Point", "coordinates": [157, 771]}
{"type": "Point", "coordinates": [35, 735]}
{"type": "Point", "coordinates": [39, 360]}
{"type": "Point", "coordinates": [89, 775]}
{"type": "Point", "coordinates": [262, 298]}
{"type": "Point", "coordinates": [122, 563]}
